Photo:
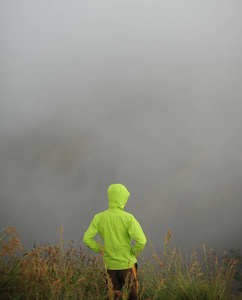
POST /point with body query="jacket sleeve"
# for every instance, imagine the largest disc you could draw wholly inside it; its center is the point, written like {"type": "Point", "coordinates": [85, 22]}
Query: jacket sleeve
{"type": "Point", "coordinates": [89, 235]}
{"type": "Point", "coordinates": [136, 233]}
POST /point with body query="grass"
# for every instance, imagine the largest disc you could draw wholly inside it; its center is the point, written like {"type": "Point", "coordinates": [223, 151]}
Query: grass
{"type": "Point", "coordinates": [170, 275]}
{"type": "Point", "coordinates": [50, 272]}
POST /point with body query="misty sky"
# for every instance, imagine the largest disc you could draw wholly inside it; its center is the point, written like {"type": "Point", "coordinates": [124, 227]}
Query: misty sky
{"type": "Point", "coordinates": [143, 93]}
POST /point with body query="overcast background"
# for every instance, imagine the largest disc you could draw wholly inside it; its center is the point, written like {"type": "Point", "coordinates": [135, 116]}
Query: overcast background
{"type": "Point", "coordinates": [143, 93]}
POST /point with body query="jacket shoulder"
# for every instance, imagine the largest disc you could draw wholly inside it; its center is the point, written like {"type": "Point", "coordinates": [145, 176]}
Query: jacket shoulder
{"type": "Point", "coordinates": [100, 214]}
{"type": "Point", "coordinates": [128, 215]}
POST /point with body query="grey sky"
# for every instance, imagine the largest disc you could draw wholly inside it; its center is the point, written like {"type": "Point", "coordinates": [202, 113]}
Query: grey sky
{"type": "Point", "coordinates": [145, 93]}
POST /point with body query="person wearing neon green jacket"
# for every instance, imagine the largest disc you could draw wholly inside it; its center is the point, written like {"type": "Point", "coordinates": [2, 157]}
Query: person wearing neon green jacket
{"type": "Point", "coordinates": [117, 228]}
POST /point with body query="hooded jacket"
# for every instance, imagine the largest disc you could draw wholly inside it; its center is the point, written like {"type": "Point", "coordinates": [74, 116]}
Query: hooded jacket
{"type": "Point", "coordinates": [117, 228]}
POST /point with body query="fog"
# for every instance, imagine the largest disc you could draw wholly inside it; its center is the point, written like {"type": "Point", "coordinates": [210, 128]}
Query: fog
{"type": "Point", "coordinates": [143, 93]}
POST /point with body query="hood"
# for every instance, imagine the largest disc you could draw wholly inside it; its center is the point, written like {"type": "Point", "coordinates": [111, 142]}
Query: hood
{"type": "Point", "coordinates": [118, 196]}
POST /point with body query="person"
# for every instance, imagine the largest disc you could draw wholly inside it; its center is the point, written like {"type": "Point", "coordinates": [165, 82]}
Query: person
{"type": "Point", "coordinates": [117, 228]}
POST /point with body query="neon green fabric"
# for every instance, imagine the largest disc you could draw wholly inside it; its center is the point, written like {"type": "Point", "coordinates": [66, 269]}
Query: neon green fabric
{"type": "Point", "coordinates": [117, 228]}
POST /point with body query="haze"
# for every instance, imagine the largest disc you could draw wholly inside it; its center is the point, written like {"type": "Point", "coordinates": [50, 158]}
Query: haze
{"type": "Point", "coordinates": [143, 93]}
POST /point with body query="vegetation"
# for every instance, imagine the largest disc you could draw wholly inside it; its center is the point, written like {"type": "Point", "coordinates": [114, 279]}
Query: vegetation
{"type": "Point", "coordinates": [50, 272]}
{"type": "Point", "coordinates": [171, 276]}
{"type": "Point", "coordinates": [235, 254]}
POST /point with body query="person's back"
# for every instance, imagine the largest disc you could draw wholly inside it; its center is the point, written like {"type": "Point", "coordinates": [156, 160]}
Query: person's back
{"type": "Point", "coordinates": [117, 228]}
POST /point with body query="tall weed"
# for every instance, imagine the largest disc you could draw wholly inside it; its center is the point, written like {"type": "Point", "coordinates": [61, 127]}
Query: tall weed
{"type": "Point", "coordinates": [170, 275]}
{"type": "Point", "coordinates": [50, 272]}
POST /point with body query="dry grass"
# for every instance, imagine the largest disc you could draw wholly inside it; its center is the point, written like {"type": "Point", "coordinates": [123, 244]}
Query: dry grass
{"type": "Point", "coordinates": [172, 275]}
{"type": "Point", "coordinates": [50, 272]}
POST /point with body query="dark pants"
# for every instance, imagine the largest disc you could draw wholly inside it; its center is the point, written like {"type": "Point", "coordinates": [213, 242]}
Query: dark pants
{"type": "Point", "coordinates": [121, 278]}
